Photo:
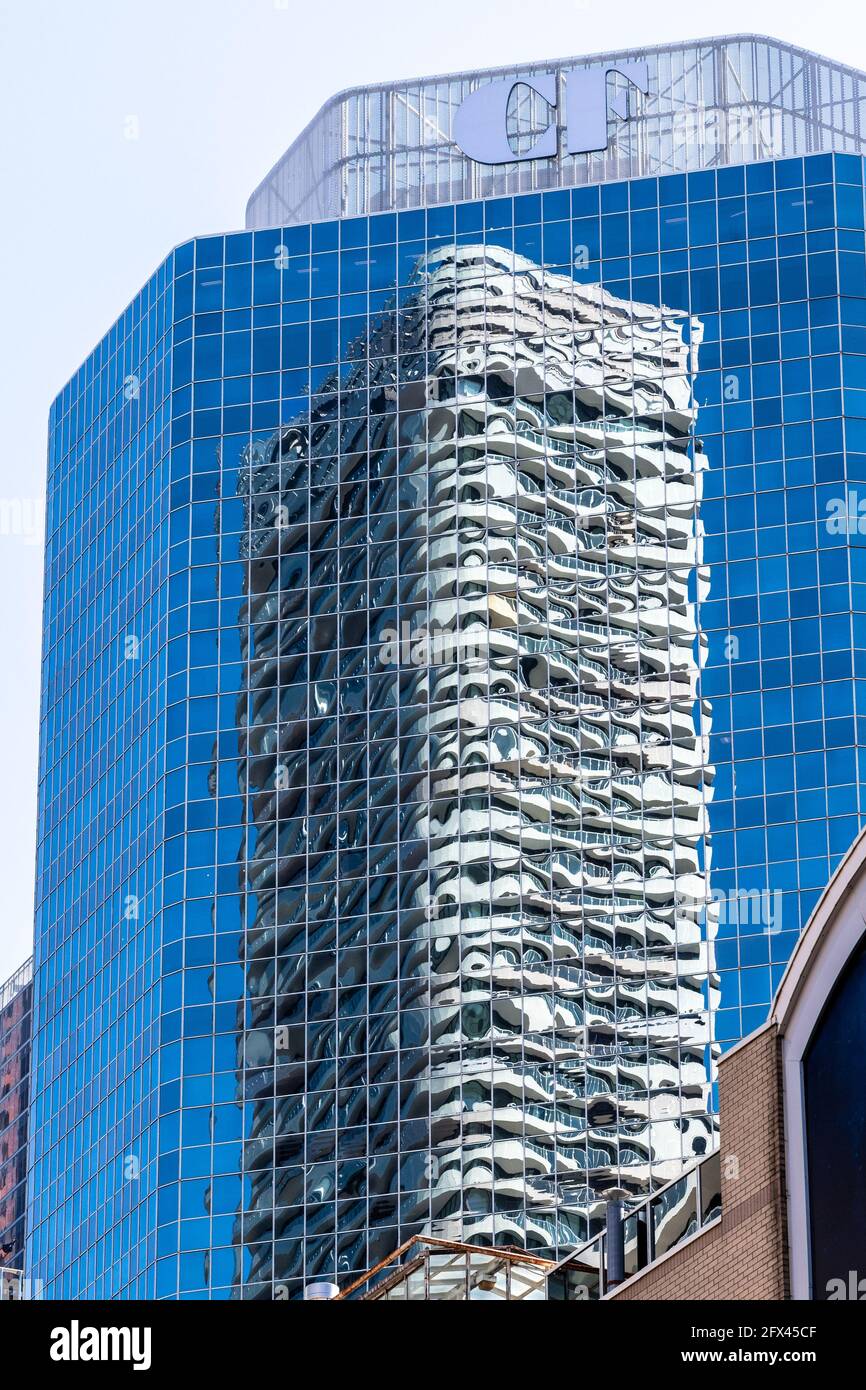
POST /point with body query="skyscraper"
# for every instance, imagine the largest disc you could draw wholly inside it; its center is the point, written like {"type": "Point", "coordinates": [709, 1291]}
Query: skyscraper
{"type": "Point", "coordinates": [450, 697]}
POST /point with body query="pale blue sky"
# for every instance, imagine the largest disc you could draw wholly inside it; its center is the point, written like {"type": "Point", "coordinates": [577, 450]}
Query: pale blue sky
{"type": "Point", "coordinates": [218, 88]}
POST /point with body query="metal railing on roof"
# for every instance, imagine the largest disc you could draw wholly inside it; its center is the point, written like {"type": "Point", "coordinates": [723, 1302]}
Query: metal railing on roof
{"type": "Point", "coordinates": [15, 1287]}
{"type": "Point", "coordinates": [683, 1207]}
{"type": "Point", "coordinates": [14, 985]}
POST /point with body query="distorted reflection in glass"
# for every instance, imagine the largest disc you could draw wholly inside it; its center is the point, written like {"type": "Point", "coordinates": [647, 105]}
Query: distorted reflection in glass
{"type": "Point", "coordinates": [478, 957]}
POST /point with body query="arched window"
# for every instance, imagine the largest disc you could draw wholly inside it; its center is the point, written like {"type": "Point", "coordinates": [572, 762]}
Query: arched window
{"type": "Point", "coordinates": [820, 1014]}
{"type": "Point", "coordinates": [834, 1072]}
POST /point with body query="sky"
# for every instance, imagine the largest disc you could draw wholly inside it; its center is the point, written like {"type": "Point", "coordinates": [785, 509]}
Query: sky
{"type": "Point", "coordinates": [128, 127]}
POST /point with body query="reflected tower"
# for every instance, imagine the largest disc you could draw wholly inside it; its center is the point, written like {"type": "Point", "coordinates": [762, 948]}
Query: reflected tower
{"type": "Point", "coordinates": [478, 777]}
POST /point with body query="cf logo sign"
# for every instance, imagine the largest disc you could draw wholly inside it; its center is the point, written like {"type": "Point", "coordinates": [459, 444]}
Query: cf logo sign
{"type": "Point", "coordinates": [479, 123]}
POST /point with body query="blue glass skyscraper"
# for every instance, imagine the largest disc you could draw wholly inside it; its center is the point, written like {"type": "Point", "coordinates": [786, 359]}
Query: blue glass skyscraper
{"type": "Point", "coordinates": [451, 681]}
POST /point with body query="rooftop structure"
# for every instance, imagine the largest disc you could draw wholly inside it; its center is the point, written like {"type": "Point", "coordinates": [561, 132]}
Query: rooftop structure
{"type": "Point", "coordinates": [707, 103]}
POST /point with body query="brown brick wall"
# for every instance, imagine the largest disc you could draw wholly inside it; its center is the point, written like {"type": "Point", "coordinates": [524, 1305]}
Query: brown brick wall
{"type": "Point", "coordinates": [744, 1256]}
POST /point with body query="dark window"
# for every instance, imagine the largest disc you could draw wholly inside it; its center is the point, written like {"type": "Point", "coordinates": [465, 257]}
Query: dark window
{"type": "Point", "coordinates": [836, 1134]}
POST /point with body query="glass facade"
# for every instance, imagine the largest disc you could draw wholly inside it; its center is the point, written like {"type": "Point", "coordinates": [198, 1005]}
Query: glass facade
{"type": "Point", "coordinates": [450, 717]}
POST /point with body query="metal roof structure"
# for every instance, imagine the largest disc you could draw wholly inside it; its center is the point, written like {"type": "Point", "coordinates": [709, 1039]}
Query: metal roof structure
{"type": "Point", "coordinates": [708, 103]}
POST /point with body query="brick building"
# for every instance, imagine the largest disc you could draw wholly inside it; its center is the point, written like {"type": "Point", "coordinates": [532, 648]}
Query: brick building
{"type": "Point", "coordinates": [743, 1255]}
{"type": "Point", "coordinates": [16, 1002]}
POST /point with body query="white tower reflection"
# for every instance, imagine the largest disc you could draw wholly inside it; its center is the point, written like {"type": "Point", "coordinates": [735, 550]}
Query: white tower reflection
{"type": "Point", "coordinates": [529, 828]}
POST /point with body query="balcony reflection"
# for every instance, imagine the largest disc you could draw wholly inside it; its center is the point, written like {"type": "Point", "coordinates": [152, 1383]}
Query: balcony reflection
{"type": "Point", "coordinates": [475, 770]}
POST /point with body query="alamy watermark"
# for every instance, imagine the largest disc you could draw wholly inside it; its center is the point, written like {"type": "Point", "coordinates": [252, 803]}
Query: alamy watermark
{"type": "Point", "coordinates": [755, 907]}
{"type": "Point", "coordinates": [431, 646]}
{"type": "Point", "coordinates": [83, 1343]}
{"type": "Point", "coordinates": [852, 1289]}
{"type": "Point", "coordinates": [23, 518]}
{"type": "Point", "coordinates": [846, 516]}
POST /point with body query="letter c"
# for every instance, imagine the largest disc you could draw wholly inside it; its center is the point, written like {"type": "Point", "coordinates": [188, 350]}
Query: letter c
{"type": "Point", "coordinates": [479, 122]}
